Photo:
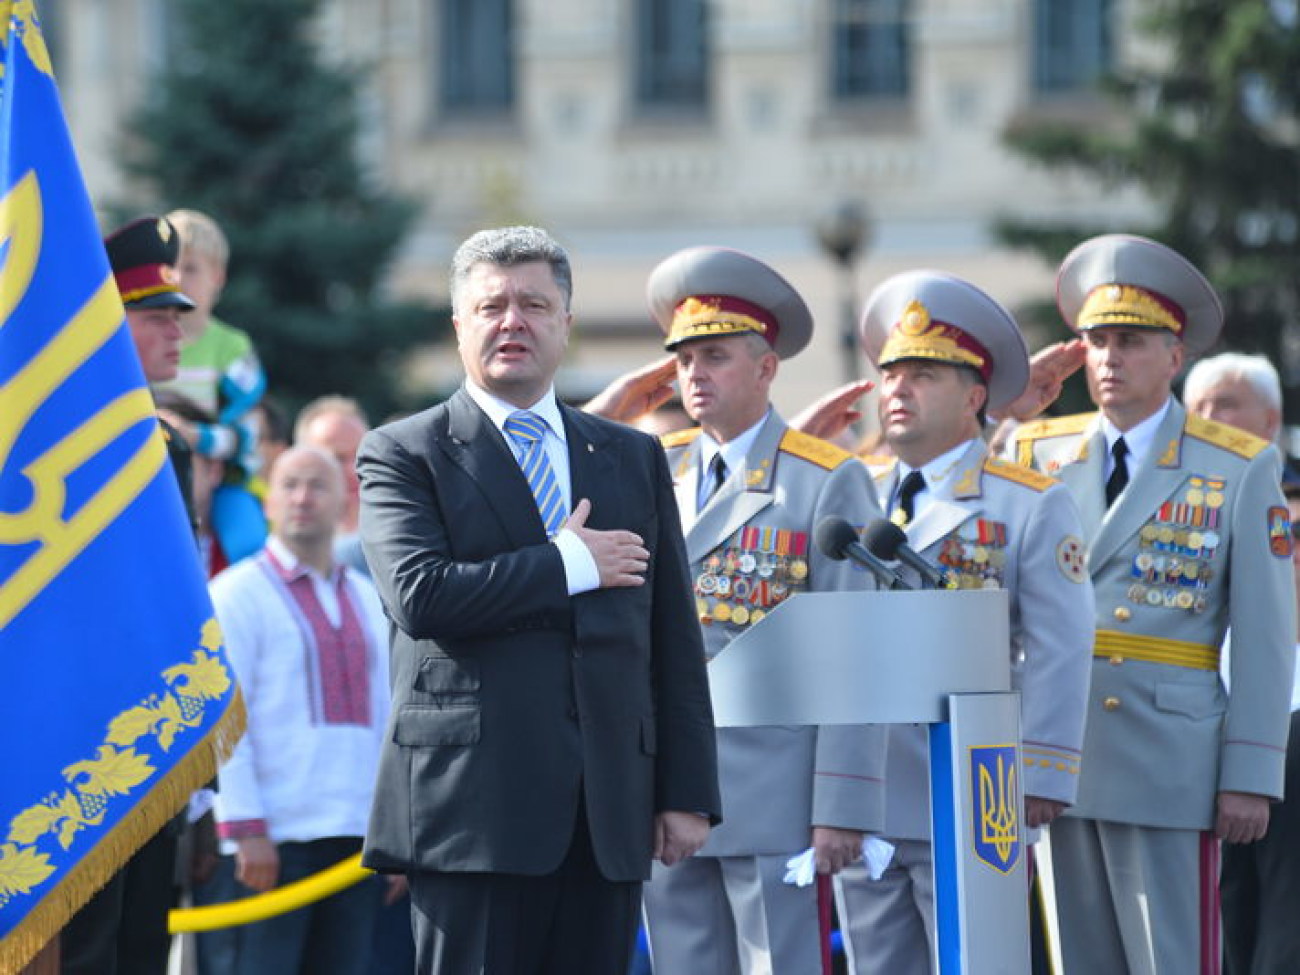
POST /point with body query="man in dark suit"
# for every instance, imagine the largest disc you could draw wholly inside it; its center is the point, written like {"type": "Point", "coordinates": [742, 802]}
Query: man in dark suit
{"type": "Point", "coordinates": [551, 728]}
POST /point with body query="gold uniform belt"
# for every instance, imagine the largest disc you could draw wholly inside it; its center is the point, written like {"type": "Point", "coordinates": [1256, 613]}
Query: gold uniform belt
{"type": "Point", "coordinates": [1156, 650]}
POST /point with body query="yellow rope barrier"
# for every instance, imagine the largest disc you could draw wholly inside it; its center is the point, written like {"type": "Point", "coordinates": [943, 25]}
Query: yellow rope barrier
{"type": "Point", "coordinates": [281, 900]}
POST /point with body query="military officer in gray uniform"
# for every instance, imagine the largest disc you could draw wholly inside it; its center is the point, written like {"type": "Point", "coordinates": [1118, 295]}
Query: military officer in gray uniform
{"type": "Point", "coordinates": [750, 491]}
{"type": "Point", "coordinates": [1187, 534]}
{"type": "Point", "coordinates": [947, 352]}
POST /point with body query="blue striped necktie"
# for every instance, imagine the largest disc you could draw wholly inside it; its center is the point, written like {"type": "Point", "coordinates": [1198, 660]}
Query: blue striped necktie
{"type": "Point", "coordinates": [527, 430]}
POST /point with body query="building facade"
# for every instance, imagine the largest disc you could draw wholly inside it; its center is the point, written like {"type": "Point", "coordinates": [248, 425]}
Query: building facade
{"type": "Point", "coordinates": [633, 127]}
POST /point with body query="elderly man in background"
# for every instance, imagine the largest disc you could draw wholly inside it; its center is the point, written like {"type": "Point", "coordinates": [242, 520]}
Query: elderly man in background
{"type": "Point", "coordinates": [1243, 391]}
{"type": "Point", "coordinates": [1259, 883]}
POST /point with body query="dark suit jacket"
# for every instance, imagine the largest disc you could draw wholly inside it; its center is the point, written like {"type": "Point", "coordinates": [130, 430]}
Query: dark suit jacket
{"type": "Point", "coordinates": [511, 698]}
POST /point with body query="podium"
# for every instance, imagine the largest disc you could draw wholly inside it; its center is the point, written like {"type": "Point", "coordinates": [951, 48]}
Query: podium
{"type": "Point", "coordinates": [940, 658]}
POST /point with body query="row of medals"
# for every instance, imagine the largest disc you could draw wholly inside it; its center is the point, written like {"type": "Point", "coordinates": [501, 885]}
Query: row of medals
{"type": "Point", "coordinates": [971, 565]}
{"type": "Point", "coordinates": [740, 586]}
{"type": "Point", "coordinates": [1173, 567]}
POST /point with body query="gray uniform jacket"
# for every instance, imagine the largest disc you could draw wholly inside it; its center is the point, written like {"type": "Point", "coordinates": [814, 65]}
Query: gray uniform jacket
{"type": "Point", "coordinates": [1198, 541]}
{"type": "Point", "coordinates": [778, 782]}
{"type": "Point", "coordinates": [994, 524]}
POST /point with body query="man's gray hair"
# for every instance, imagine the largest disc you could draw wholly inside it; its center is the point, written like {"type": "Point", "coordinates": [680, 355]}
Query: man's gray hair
{"type": "Point", "coordinates": [1254, 369]}
{"type": "Point", "coordinates": [506, 247]}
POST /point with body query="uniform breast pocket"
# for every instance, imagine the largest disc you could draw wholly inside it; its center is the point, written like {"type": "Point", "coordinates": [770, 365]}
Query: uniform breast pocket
{"type": "Point", "coordinates": [1196, 701]}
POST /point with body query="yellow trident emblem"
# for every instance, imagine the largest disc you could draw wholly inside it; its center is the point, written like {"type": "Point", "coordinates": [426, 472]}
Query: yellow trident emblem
{"type": "Point", "coordinates": [55, 534]}
{"type": "Point", "coordinates": [997, 821]}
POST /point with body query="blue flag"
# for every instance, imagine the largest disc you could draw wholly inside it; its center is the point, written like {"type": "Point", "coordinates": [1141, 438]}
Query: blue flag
{"type": "Point", "coordinates": [116, 699]}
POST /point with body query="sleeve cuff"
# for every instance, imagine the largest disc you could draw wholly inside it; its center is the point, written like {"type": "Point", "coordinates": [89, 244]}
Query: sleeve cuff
{"type": "Point", "coordinates": [580, 572]}
{"type": "Point", "coordinates": [241, 829]}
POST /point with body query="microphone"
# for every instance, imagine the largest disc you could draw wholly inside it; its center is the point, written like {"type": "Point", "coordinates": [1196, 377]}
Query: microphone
{"type": "Point", "coordinates": [887, 541]}
{"type": "Point", "coordinates": [837, 540]}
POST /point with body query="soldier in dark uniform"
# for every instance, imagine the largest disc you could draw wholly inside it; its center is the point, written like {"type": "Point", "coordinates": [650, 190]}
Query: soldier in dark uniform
{"type": "Point", "coordinates": [123, 928]}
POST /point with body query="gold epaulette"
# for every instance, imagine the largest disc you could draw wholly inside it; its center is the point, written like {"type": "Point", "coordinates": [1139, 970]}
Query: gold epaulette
{"type": "Point", "coordinates": [1055, 426]}
{"type": "Point", "coordinates": [679, 438]}
{"type": "Point", "coordinates": [1231, 439]}
{"type": "Point", "coordinates": [814, 450]}
{"type": "Point", "coordinates": [878, 460]}
{"type": "Point", "coordinates": [878, 465]}
{"type": "Point", "coordinates": [1018, 473]}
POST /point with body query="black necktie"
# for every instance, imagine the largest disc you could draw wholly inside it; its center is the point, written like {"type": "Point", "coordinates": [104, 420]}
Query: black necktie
{"type": "Point", "coordinates": [912, 485]}
{"type": "Point", "coordinates": [717, 475]}
{"type": "Point", "coordinates": [1118, 479]}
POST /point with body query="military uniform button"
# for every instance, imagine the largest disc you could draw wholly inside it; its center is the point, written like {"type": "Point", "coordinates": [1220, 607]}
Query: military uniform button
{"type": "Point", "coordinates": [1123, 614]}
{"type": "Point", "coordinates": [1111, 704]}
{"type": "Point", "coordinates": [1116, 660]}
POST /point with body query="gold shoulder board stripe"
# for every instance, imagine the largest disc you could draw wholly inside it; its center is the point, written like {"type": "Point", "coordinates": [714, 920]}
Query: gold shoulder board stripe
{"type": "Point", "coordinates": [1021, 475]}
{"type": "Point", "coordinates": [814, 450]}
{"type": "Point", "coordinates": [878, 460]}
{"type": "Point", "coordinates": [1231, 439]}
{"type": "Point", "coordinates": [878, 465]}
{"type": "Point", "coordinates": [679, 438]}
{"type": "Point", "coordinates": [1056, 426]}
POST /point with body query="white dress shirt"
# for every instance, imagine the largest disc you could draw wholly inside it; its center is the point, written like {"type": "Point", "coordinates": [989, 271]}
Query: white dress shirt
{"type": "Point", "coordinates": [580, 571]}
{"type": "Point", "coordinates": [1138, 440]}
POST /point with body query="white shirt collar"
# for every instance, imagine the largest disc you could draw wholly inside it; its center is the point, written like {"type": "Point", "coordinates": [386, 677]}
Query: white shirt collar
{"type": "Point", "coordinates": [1139, 439]}
{"type": "Point", "coordinates": [734, 451]}
{"type": "Point", "coordinates": [293, 565]}
{"type": "Point", "coordinates": [498, 410]}
{"type": "Point", "coordinates": [938, 470]}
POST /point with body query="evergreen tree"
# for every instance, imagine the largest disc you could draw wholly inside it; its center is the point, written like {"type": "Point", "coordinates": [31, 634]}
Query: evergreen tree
{"type": "Point", "coordinates": [246, 123]}
{"type": "Point", "coordinates": [1212, 136]}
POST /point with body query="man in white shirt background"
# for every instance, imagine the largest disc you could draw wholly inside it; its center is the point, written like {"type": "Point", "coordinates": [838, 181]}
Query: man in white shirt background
{"type": "Point", "coordinates": [307, 638]}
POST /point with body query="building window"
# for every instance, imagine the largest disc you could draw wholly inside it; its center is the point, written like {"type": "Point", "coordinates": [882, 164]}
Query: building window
{"type": "Point", "coordinates": [477, 66]}
{"type": "Point", "coordinates": [672, 54]}
{"type": "Point", "coordinates": [871, 53]}
{"type": "Point", "coordinates": [1072, 44]}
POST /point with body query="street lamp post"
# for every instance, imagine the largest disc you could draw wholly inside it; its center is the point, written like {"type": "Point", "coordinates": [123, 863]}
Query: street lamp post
{"type": "Point", "coordinates": [843, 231]}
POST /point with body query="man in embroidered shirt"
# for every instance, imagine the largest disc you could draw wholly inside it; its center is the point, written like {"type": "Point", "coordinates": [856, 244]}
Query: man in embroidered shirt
{"type": "Point", "coordinates": [307, 639]}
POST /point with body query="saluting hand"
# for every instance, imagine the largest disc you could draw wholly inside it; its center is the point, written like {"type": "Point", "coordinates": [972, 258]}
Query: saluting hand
{"type": "Point", "coordinates": [620, 556]}
{"type": "Point", "coordinates": [1049, 368]}
{"type": "Point", "coordinates": [833, 413]}
{"type": "Point", "coordinates": [634, 394]}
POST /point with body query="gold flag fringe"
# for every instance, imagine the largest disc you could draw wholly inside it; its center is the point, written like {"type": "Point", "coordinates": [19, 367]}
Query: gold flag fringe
{"type": "Point", "coordinates": [167, 797]}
